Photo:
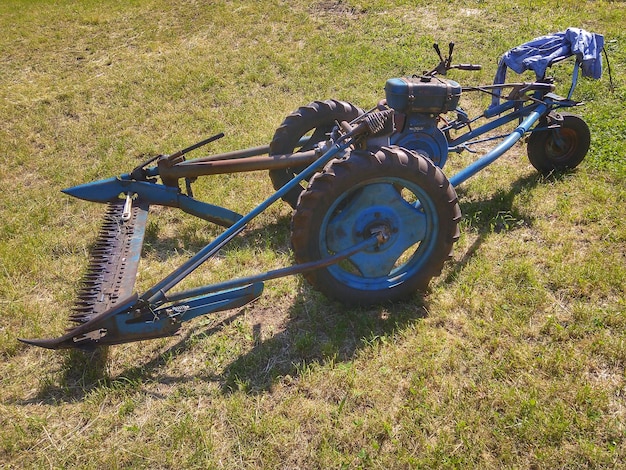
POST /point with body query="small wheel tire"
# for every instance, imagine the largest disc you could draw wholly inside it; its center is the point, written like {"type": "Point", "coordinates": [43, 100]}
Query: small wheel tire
{"type": "Point", "coordinates": [317, 119]}
{"type": "Point", "coordinates": [392, 188]}
{"type": "Point", "coordinates": [561, 149]}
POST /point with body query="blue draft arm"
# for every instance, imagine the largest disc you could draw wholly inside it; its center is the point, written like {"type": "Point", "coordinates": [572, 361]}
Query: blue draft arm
{"type": "Point", "coordinates": [500, 149]}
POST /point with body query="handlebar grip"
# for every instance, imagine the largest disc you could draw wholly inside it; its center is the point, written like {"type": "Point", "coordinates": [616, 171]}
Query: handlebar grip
{"type": "Point", "coordinates": [468, 67]}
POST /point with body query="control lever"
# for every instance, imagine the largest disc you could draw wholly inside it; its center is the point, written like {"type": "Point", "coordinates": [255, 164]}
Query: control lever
{"type": "Point", "coordinates": [438, 51]}
{"type": "Point", "coordinates": [446, 64]}
{"type": "Point", "coordinates": [450, 49]}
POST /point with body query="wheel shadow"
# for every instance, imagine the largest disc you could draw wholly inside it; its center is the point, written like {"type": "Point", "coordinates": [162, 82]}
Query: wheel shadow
{"type": "Point", "coordinates": [318, 332]}
{"type": "Point", "coordinates": [321, 332]}
{"type": "Point", "coordinates": [315, 330]}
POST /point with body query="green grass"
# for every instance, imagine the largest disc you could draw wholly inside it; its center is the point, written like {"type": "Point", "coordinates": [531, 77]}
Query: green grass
{"type": "Point", "coordinates": [514, 359]}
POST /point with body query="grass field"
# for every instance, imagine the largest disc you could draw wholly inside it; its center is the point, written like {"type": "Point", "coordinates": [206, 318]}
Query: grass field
{"type": "Point", "coordinates": [516, 356]}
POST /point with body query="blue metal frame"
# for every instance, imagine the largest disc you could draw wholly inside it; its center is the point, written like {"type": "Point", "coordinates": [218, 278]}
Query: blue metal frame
{"type": "Point", "coordinates": [469, 171]}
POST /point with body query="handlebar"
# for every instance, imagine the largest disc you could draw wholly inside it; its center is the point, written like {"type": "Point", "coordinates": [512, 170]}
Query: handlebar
{"type": "Point", "coordinates": [469, 67]}
{"type": "Point", "coordinates": [445, 63]}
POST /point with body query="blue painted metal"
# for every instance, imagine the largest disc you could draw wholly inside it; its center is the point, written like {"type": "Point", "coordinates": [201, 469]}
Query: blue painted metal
{"type": "Point", "coordinates": [494, 124]}
{"type": "Point", "coordinates": [380, 204]}
{"type": "Point", "coordinates": [421, 134]}
{"type": "Point", "coordinates": [423, 95]}
{"type": "Point", "coordinates": [106, 190]}
{"type": "Point", "coordinates": [110, 189]}
{"type": "Point", "coordinates": [226, 299]}
{"type": "Point", "coordinates": [499, 109]}
{"type": "Point", "coordinates": [577, 67]}
{"type": "Point", "coordinates": [499, 150]}
{"type": "Point", "coordinates": [157, 294]}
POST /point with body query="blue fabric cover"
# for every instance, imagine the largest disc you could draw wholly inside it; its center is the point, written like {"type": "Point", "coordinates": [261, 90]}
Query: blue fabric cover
{"type": "Point", "coordinates": [537, 55]}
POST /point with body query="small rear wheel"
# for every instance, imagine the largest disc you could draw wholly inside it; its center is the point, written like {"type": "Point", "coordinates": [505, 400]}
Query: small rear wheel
{"type": "Point", "coordinates": [315, 120]}
{"type": "Point", "coordinates": [561, 148]}
{"type": "Point", "coordinates": [391, 191]}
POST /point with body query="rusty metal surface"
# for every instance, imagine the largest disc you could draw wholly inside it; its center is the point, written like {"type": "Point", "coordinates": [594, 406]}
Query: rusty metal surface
{"type": "Point", "coordinates": [114, 260]}
{"type": "Point", "coordinates": [195, 168]}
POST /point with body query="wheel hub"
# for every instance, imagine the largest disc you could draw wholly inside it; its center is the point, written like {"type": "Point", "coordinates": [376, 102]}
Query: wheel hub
{"type": "Point", "coordinates": [382, 233]}
{"type": "Point", "coordinates": [377, 221]}
{"type": "Point", "coordinates": [377, 210]}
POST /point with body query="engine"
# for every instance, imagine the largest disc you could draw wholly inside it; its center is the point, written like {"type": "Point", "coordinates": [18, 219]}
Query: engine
{"type": "Point", "coordinates": [421, 100]}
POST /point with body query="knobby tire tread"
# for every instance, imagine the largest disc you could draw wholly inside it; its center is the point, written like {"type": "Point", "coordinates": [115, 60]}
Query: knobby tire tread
{"type": "Point", "coordinates": [319, 116]}
{"type": "Point", "coordinates": [336, 179]}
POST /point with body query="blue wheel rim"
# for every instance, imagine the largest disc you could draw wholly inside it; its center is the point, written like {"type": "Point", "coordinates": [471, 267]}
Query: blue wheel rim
{"type": "Point", "coordinates": [411, 222]}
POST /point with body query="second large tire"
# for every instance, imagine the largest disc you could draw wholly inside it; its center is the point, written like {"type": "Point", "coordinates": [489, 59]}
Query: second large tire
{"type": "Point", "coordinates": [316, 120]}
{"type": "Point", "coordinates": [394, 190]}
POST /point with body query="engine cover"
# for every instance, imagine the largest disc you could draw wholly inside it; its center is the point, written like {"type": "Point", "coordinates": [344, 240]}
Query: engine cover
{"type": "Point", "coordinates": [425, 94]}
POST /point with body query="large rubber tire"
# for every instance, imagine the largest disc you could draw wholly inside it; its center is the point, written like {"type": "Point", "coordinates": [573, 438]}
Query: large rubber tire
{"type": "Point", "coordinates": [559, 149]}
{"type": "Point", "coordinates": [393, 188]}
{"type": "Point", "coordinates": [317, 120]}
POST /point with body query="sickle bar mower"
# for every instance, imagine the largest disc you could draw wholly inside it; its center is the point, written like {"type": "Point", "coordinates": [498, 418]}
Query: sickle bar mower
{"type": "Point", "coordinates": [376, 221]}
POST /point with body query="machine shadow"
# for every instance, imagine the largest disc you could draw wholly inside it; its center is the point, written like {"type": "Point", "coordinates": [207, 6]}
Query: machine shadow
{"type": "Point", "coordinates": [315, 330]}
{"type": "Point", "coordinates": [496, 214]}
{"type": "Point", "coordinates": [81, 372]}
{"type": "Point", "coordinates": [320, 331]}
